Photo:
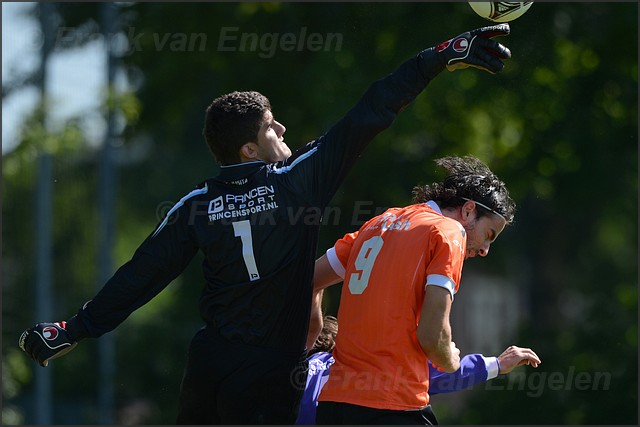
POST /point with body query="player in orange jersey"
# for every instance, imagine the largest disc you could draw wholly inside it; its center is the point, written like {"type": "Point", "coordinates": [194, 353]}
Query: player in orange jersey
{"type": "Point", "coordinates": [401, 271]}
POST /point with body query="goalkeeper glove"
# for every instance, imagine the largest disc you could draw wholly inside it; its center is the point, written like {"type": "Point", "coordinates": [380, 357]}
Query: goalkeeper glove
{"type": "Point", "coordinates": [475, 49]}
{"type": "Point", "coordinates": [471, 49]}
{"type": "Point", "coordinates": [47, 341]}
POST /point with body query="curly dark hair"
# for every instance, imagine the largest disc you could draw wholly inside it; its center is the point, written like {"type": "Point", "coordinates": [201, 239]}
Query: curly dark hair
{"type": "Point", "coordinates": [326, 341]}
{"type": "Point", "coordinates": [468, 178]}
{"type": "Point", "coordinates": [231, 121]}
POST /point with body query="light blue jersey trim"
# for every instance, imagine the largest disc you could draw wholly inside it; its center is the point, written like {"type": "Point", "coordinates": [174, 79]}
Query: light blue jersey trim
{"type": "Point", "coordinates": [177, 206]}
{"type": "Point", "coordinates": [286, 169]}
{"type": "Point", "coordinates": [241, 164]}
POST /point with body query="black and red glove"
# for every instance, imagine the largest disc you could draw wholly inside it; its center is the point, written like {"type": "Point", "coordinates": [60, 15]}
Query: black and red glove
{"type": "Point", "coordinates": [475, 49]}
{"type": "Point", "coordinates": [471, 49]}
{"type": "Point", "coordinates": [47, 341]}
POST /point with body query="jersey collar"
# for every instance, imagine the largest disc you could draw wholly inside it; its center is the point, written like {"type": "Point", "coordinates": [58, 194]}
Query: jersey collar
{"type": "Point", "coordinates": [238, 171]}
{"type": "Point", "coordinates": [433, 205]}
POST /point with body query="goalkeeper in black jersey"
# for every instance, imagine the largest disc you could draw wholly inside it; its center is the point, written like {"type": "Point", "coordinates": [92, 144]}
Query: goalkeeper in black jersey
{"type": "Point", "coordinates": [253, 224]}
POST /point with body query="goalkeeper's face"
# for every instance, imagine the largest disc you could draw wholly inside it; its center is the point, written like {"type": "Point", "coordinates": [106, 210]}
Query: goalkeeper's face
{"type": "Point", "coordinates": [271, 145]}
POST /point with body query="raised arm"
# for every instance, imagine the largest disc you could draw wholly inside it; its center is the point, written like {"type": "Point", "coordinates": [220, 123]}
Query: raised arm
{"type": "Point", "coordinates": [318, 168]}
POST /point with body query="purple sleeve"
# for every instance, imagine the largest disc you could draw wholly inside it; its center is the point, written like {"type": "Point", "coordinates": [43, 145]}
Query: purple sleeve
{"type": "Point", "coordinates": [473, 370]}
{"type": "Point", "coordinates": [317, 376]}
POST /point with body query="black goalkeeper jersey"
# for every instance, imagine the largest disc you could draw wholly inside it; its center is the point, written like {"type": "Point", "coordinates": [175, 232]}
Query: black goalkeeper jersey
{"type": "Point", "coordinates": [257, 226]}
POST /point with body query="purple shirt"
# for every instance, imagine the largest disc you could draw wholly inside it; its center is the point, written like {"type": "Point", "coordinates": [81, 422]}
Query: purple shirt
{"type": "Point", "coordinates": [474, 369]}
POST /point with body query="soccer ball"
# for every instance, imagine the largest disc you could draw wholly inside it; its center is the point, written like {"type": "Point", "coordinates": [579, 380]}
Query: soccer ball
{"type": "Point", "coordinates": [500, 11]}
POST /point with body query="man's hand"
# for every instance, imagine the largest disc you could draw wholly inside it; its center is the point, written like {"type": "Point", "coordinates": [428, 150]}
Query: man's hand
{"type": "Point", "coordinates": [475, 49]}
{"type": "Point", "coordinates": [514, 356]}
{"type": "Point", "coordinates": [46, 341]}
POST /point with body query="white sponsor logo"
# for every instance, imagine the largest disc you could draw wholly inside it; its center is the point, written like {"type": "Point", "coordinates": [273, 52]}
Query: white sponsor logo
{"type": "Point", "coordinates": [216, 205]}
{"type": "Point", "coordinates": [229, 206]}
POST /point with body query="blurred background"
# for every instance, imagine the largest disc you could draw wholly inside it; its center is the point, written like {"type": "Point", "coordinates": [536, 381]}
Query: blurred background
{"type": "Point", "coordinates": [102, 115]}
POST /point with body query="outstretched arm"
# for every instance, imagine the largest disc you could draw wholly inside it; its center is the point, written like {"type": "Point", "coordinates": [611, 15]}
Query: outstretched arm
{"type": "Point", "coordinates": [157, 261]}
{"type": "Point", "coordinates": [318, 168]}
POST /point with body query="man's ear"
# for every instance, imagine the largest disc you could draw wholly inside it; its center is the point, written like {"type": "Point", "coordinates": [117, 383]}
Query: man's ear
{"type": "Point", "coordinates": [249, 152]}
{"type": "Point", "coordinates": [468, 210]}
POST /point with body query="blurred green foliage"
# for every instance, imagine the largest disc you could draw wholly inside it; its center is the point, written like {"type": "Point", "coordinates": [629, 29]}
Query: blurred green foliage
{"type": "Point", "coordinates": [559, 125]}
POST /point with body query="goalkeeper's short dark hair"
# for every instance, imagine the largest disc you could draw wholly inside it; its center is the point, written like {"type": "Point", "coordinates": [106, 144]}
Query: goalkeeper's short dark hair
{"type": "Point", "coordinates": [231, 121]}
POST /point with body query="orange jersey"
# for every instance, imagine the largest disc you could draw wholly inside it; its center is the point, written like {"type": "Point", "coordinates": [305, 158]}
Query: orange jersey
{"type": "Point", "coordinates": [387, 265]}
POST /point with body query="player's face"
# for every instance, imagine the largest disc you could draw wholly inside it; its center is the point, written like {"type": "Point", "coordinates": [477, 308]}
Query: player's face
{"type": "Point", "coordinates": [481, 232]}
{"type": "Point", "coordinates": [271, 146]}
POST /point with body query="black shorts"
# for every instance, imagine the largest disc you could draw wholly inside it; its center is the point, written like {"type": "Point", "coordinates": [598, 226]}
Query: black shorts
{"type": "Point", "coordinates": [233, 383]}
{"type": "Point", "coordinates": [333, 413]}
